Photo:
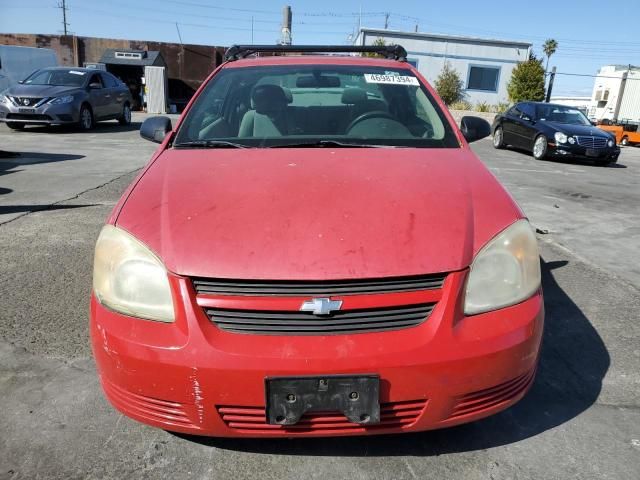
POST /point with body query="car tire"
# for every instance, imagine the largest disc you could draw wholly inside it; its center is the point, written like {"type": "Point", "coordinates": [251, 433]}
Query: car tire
{"type": "Point", "coordinates": [540, 147]}
{"type": "Point", "coordinates": [498, 138]}
{"type": "Point", "coordinates": [15, 125]}
{"type": "Point", "coordinates": [125, 117]}
{"type": "Point", "coordinates": [86, 118]}
{"type": "Point", "coordinates": [625, 141]}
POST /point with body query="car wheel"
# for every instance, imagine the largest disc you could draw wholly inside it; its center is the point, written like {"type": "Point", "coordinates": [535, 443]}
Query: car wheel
{"type": "Point", "coordinates": [624, 141]}
{"type": "Point", "coordinates": [498, 138]}
{"type": "Point", "coordinates": [15, 125]}
{"type": "Point", "coordinates": [125, 118]}
{"type": "Point", "coordinates": [86, 118]}
{"type": "Point", "coordinates": [540, 147]}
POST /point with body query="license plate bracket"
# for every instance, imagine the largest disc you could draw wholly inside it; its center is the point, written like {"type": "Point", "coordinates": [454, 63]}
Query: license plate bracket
{"type": "Point", "coordinates": [26, 110]}
{"type": "Point", "coordinates": [592, 152]}
{"type": "Point", "coordinates": [356, 396]}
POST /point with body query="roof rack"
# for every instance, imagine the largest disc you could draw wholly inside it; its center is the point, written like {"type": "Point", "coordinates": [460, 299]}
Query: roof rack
{"type": "Point", "coordinates": [394, 52]}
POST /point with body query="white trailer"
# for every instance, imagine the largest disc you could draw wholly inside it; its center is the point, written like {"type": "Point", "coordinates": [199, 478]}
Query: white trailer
{"type": "Point", "coordinates": [17, 63]}
{"type": "Point", "coordinates": [616, 95]}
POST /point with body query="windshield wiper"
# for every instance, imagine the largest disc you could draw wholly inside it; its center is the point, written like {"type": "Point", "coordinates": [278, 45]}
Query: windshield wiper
{"type": "Point", "coordinates": [328, 143]}
{"type": "Point", "coordinates": [209, 144]}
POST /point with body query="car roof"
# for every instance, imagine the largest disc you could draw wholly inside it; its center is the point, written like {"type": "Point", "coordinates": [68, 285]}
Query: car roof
{"type": "Point", "coordinates": [78, 69]}
{"type": "Point", "coordinates": [317, 60]}
{"type": "Point", "coordinates": [548, 104]}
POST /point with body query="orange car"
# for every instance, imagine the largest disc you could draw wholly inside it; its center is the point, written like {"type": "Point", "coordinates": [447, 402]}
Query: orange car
{"type": "Point", "coordinates": [624, 133]}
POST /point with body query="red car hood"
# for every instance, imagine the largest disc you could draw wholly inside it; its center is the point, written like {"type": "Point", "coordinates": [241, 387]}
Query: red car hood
{"type": "Point", "coordinates": [316, 213]}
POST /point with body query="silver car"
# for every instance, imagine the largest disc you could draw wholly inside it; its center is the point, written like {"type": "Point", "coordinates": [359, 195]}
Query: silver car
{"type": "Point", "coordinates": [80, 96]}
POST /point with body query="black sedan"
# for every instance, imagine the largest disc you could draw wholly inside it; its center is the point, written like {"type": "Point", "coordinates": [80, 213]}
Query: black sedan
{"type": "Point", "coordinates": [550, 130]}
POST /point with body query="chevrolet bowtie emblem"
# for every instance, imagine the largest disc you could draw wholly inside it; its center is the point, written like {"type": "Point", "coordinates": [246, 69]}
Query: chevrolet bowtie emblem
{"type": "Point", "coordinates": [321, 306]}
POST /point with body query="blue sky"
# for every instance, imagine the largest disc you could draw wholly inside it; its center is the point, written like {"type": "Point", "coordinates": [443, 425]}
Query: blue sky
{"type": "Point", "coordinates": [590, 33]}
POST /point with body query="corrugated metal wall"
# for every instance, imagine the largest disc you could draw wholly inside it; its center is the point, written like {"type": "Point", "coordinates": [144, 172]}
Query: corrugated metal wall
{"type": "Point", "coordinates": [630, 105]}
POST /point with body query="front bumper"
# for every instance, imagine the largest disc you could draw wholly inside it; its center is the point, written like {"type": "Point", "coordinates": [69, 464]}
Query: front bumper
{"type": "Point", "coordinates": [46, 114]}
{"type": "Point", "coordinates": [194, 378]}
{"type": "Point", "coordinates": [576, 151]}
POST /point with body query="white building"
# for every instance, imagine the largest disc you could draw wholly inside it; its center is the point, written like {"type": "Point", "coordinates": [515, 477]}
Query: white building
{"type": "Point", "coordinates": [484, 65]}
{"type": "Point", "coordinates": [616, 94]}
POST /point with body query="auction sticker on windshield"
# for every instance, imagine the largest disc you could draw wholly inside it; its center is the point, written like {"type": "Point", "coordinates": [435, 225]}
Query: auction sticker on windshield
{"type": "Point", "coordinates": [391, 79]}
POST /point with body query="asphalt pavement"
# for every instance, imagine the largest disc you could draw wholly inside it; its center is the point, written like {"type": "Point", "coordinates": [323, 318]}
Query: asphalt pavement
{"type": "Point", "coordinates": [581, 419]}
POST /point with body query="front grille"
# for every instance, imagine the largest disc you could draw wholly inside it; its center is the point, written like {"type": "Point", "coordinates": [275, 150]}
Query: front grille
{"type": "Point", "coordinates": [306, 323]}
{"type": "Point", "coordinates": [27, 101]}
{"type": "Point", "coordinates": [303, 288]}
{"type": "Point", "coordinates": [591, 142]}
{"type": "Point", "coordinates": [253, 419]}
{"type": "Point", "coordinates": [489, 398]}
{"type": "Point", "coordinates": [28, 116]}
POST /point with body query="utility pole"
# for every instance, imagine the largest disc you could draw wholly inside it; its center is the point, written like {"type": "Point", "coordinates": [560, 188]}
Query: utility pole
{"type": "Point", "coordinates": [386, 21]}
{"type": "Point", "coordinates": [552, 75]}
{"type": "Point", "coordinates": [285, 32]}
{"type": "Point", "coordinates": [63, 7]}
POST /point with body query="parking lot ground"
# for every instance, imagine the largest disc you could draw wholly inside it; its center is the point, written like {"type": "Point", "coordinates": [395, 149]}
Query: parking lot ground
{"type": "Point", "coordinates": [581, 419]}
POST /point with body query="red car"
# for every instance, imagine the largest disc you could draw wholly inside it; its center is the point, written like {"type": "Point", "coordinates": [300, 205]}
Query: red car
{"type": "Point", "coordinates": [315, 250]}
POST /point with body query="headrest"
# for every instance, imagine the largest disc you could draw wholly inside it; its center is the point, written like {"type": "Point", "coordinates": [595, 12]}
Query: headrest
{"type": "Point", "coordinates": [352, 96]}
{"type": "Point", "coordinates": [268, 98]}
{"type": "Point", "coordinates": [288, 94]}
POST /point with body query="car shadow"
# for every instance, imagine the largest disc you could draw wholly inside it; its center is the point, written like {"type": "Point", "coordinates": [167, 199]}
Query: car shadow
{"type": "Point", "coordinates": [573, 363]}
{"type": "Point", "coordinates": [18, 159]}
{"type": "Point", "coordinates": [568, 160]}
{"type": "Point", "coordinates": [100, 127]}
{"type": "Point", "coordinates": [7, 209]}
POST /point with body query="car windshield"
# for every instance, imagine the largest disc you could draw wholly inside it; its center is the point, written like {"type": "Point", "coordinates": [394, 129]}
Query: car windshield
{"type": "Point", "coordinates": [66, 78]}
{"type": "Point", "coordinates": [560, 114]}
{"type": "Point", "coordinates": [315, 106]}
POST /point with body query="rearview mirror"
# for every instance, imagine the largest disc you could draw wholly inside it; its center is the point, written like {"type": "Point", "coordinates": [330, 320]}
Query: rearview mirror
{"type": "Point", "coordinates": [155, 129]}
{"type": "Point", "coordinates": [474, 128]}
{"type": "Point", "coordinates": [320, 81]}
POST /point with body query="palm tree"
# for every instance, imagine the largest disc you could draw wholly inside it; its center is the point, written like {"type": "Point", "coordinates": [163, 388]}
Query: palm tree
{"type": "Point", "coordinates": [549, 47]}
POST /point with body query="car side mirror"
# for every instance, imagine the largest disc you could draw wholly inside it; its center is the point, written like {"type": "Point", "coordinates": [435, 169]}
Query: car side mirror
{"type": "Point", "coordinates": [474, 128]}
{"type": "Point", "coordinates": [155, 129]}
{"type": "Point", "coordinates": [527, 118]}
{"type": "Point", "coordinates": [20, 82]}
{"type": "Point", "coordinates": [95, 86]}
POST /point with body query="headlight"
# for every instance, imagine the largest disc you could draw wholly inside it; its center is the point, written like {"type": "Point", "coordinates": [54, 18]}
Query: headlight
{"type": "Point", "coordinates": [571, 140]}
{"type": "Point", "coordinates": [560, 137]}
{"type": "Point", "coordinates": [610, 143]}
{"type": "Point", "coordinates": [129, 278]}
{"type": "Point", "coordinates": [505, 272]}
{"type": "Point", "coordinates": [61, 100]}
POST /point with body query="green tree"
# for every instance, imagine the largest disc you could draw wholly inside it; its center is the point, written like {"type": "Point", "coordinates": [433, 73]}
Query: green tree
{"type": "Point", "coordinates": [527, 81]}
{"type": "Point", "coordinates": [449, 85]}
{"type": "Point", "coordinates": [378, 42]}
{"type": "Point", "coordinates": [549, 47]}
